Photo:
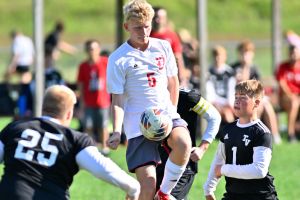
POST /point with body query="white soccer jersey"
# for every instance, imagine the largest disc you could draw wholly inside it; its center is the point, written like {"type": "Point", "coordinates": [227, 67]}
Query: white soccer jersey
{"type": "Point", "coordinates": [23, 47]}
{"type": "Point", "coordinates": [141, 76]}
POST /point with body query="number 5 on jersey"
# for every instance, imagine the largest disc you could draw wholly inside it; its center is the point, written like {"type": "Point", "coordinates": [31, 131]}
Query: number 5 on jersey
{"type": "Point", "coordinates": [151, 79]}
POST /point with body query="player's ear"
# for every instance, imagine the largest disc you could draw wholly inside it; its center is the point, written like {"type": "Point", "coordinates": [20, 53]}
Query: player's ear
{"type": "Point", "coordinates": [257, 103]}
{"type": "Point", "coordinates": [125, 25]}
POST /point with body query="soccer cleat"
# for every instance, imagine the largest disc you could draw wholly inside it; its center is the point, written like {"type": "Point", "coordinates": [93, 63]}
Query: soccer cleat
{"type": "Point", "coordinates": [162, 196]}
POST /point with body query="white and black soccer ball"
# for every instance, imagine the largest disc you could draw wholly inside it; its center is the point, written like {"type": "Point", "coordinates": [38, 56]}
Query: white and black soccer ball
{"type": "Point", "coordinates": [155, 124]}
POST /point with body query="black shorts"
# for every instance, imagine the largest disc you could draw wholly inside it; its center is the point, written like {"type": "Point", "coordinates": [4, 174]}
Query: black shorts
{"type": "Point", "coordinates": [268, 196]}
{"type": "Point", "coordinates": [21, 69]}
{"type": "Point", "coordinates": [183, 186]}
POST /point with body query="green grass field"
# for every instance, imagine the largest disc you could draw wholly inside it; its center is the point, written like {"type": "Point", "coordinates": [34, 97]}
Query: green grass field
{"type": "Point", "coordinates": [284, 167]}
{"type": "Point", "coordinates": [227, 20]}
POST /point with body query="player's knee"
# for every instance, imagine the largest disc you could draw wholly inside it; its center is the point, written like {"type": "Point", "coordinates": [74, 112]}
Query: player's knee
{"type": "Point", "coordinates": [147, 188]}
{"type": "Point", "coordinates": [181, 141]}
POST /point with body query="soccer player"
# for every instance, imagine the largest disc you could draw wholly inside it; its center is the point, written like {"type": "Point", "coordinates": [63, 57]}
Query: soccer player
{"type": "Point", "coordinates": [244, 152]}
{"type": "Point", "coordinates": [191, 105]}
{"type": "Point", "coordinates": [142, 73]}
{"type": "Point", "coordinates": [42, 155]}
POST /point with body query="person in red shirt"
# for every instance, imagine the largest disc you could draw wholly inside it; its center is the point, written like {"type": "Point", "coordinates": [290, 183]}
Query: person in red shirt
{"type": "Point", "coordinates": [288, 76]}
{"type": "Point", "coordinates": [161, 30]}
{"type": "Point", "coordinates": [94, 99]}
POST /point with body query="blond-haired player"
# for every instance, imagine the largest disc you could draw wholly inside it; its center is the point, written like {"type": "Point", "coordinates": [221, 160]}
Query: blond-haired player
{"type": "Point", "coordinates": [142, 73]}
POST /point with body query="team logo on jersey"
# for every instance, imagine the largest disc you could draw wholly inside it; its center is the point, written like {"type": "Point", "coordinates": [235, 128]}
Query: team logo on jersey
{"type": "Point", "coordinates": [226, 137]}
{"type": "Point", "coordinates": [246, 140]}
{"type": "Point", "coordinates": [160, 62]}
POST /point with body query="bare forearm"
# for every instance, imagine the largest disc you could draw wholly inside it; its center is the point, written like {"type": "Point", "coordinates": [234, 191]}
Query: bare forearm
{"type": "Point", "coordinates": [173, 87]}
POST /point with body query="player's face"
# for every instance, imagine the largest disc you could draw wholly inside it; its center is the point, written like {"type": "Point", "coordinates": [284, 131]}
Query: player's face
{"type": "Point", "coordinates": [139, 33]}
{"type": "Point", "coordinates": [243, 106]}
{"type": "Point", "coordinates": [247, 57]}
{"type": "Point", "coordinates": [93, 49]}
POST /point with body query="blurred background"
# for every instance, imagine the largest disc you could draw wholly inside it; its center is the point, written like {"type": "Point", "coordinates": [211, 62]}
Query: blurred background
{"type": "Point", "coordinates": [228, 23]}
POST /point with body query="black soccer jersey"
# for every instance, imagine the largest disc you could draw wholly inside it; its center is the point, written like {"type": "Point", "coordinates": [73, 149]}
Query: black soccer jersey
{"type": "Point", "coordinates": [240, 142]}
{"type": "Point", "coordinates": [39, 158]}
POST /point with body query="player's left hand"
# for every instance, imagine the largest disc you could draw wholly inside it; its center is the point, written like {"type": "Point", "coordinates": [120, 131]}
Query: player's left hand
{"type": "Point", "coordinates": [197, 154]}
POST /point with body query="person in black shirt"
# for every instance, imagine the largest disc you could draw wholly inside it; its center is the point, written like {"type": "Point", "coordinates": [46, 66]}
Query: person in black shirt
{"type": "Point", "coordinates": [42, 155]}
{"type": "Point", "coordinates": [244, 152]}
{"type": "Point", "coordinates": [54, 42]}
{"type": "Point", "coordinates": [191, 105]}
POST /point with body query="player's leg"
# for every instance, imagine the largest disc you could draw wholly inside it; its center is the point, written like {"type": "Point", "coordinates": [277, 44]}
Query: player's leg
{"type": "Point", "coordinates": [289, 106]}
{"type": "Point", "coordinates": [146, 176]}
{"type": "Point", "coordinates": [142, 157]}
{"type": "Point", "coordinates": [180, 143]}
{"type": "Point", "coordinates": [184, 185]}
{"type": "Point", "coordinates": [88, 122]}
{"type": "Point", "coordinates": [102, 131]}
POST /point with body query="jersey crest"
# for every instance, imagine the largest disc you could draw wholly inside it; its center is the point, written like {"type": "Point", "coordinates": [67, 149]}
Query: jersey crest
{"type": "Point", "coordinates": [246, 140]}
{"type": "Point", "coordinates": [160, 62]}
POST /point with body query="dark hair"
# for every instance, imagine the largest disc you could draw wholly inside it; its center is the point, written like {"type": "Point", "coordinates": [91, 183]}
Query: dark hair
{"type": "Point", "coordinates": [246, 45]}
{"type": "Point", "coordinates": [88, 44]}
{"type": "Point", "coordinates": [59, 26]}
{"type": "Point", "coordinates": [157, 8]}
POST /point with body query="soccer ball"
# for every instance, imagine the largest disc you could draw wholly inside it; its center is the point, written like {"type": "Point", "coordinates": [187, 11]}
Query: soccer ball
{"type": "Point", "coordinates": [155, 124]}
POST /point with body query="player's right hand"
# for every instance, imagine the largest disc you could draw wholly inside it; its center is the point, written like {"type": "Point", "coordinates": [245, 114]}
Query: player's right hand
{"type": "Point", "coordinates": [114, 140]}
{"type": "Point", "coordinates": [210, 197]}
{"type": "Point", "coordinates": [131, 198]}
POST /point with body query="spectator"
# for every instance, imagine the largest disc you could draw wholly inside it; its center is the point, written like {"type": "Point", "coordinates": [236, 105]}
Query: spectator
{"type": "Point", "coordinates": [220, 84]}
{"type": "Point", "coordinates": [94, 99]}
{"type": "Point", "coordinates": [245, 70]}
{"type": "Point", "coordinates": [142, 73]}
{"type": "Point", "coordinates": [51, 76]}
{"type": "Point", "coordinates": [244, 152]}
{"type": "Point", "coordinates": [42, 155]}
{"type": "Point", "coordinates": [190, 54]}
{"type": "Point", "coordinates": [161, 29]}
{"type": "Point", "coordinates": [22, 52]}
{"type": "Point", "coordinates": [288, 77]}
{"type": "Point", "coordinates": [54, 42]}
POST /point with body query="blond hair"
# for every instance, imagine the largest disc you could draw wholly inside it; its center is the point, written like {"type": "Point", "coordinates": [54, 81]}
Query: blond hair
{"type": "Point", "coordinates": [138, 9]}
{"type": "Point", "coordinates": [251, 88]}
{"type": "Point", "coordinates": [58, 100]}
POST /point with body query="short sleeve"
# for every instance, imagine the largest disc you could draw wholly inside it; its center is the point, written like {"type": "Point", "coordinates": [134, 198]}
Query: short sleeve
{"type": "Point", "coordinates": [83, 140]}
{"type": "Point", "coordinates": [115, 77]}
{"type": "Point", "coordinates": [171, 65]}
{"type": "Point", "coordinates": [264, 139]}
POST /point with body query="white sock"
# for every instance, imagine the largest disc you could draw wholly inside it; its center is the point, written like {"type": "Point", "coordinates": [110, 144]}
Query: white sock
{"type": "Point", "coordinates": [172, 174]}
